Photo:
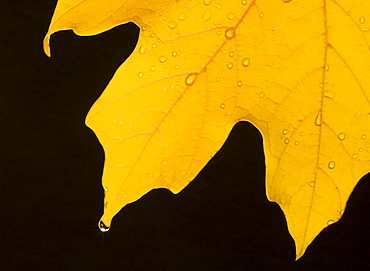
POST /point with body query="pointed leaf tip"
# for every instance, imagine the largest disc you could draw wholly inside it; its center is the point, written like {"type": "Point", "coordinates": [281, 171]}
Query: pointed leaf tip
{"type": "Point", "coordinates": [46, 45]}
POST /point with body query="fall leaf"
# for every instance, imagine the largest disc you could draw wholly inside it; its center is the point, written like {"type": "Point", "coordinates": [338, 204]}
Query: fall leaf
{"type": "Point", "coordinates": [298, 70]}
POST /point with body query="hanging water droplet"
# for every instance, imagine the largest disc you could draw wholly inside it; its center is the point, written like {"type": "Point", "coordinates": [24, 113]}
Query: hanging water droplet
{"type": "Point", "coordinates": [222, 106]}
{"type": "Point", "coordinates": [162, 59]}
{"type": "Point", "coordinates": [312, 184]}
{"type": "Point", "coordinates": [140, 74]}
{"type": "Point", "coordinates": [230, 33]}
{"type": "Point", "coordinates": [239, 83]}
{"type": "Point", "coordinates": [318, 120]}
{"type": "Point", "coordinates": [103, 227]}
{"type": "Point", "coordinates": [330, 222]}
{"type": "Point", "coordinates": [362, 20]}
{"type": "Point", "coordinates": [207, 15]}
{"type": "Point", "coordinates": [230, 65]}
{"type": "Point", "coordinates": [342, 136]}
{"type": "Point", "coordinates": [285, 131]}
{"type": "Point", "coordinates": [331, 164]}
{"type": "Point", "coordinates": [246, 61]}
{"type": "Point", "coordinates": [286, 140]}
{"type": "Point", "coordinates": [190, 79]}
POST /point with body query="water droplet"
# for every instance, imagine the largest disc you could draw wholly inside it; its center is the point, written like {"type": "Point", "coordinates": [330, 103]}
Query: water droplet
{"type": "Point", "coordinates": [162, 59]}
{"type": "Point", "coordinates": [330, 222]}
{"type": "Point", "coordinates": [327, 67]}
{"type": "Point", "coordinates": [231, 54]}
{"type": "Point", "coordinates": [222, 106]}
{"type": "Point", "coordinates": [362, 20]}
{"type": "Point", "coordinates": [207, 2]}
{"type": "Point", "coordinates": [312, 184]}
{"type": "Point", "coordinates": [154, 45]}
{"type": "Point", "coordinates": [261, 15]}
{"type": "Point", "coordinates": [363, 136]}
{"type": "Point", "coordinates": [246, 61]}
{"type": "Point", "coordinates": [230, 33]}
{"type": "Point", "coordinates": [176, 66]}
{"type": "Point", "coordinates": [231, 16]}
{"type": "Point", "coordinates": [207, 15]}
{"type": "Point", "coordinates": [296, 143]}
{"type": "Point", "coordinates": [182, 16]}
{"type": "Point", "coordinates": [321, 85]}
{"type": "Point", "coordinates": [142, 49]}
{"type": "Point", "coordinates": [230, 65]}
{"type": "Point", "coordinates": [103, 227]}
{"type": "Point", "coordinates": [190, 79]}
{"type": "Point", "coordinates": [285, 131]}
{"type": "Point", "coordinates": [360, 149]}
{"type": "Point", "coordinates": [239, 83]}
{"type": "Point", "coordinates": [152, 68]}
{"type": "Point", "coordinates": [342, 136]}
{"type": "Point", "coordinates": [105, 188]}
{"type": "Point", "coordinates": [140, 74]}
{"type": "Point", "coordinates": [355, 155]}
{"type": "Point", "coordinates": [331, 164]}
{"type": "Point", "coordinates": [172, 24]}
{"type": "Point", "coordinates": [262, 94]}
{"type": "Point", "coordinates": [329, 94]}
{"type": "Point", "coordinates": [286, 140]}
{"type": "Point", "coordinates": [318, 120]}
{"type": "Point", "coordinates": [244, 2]}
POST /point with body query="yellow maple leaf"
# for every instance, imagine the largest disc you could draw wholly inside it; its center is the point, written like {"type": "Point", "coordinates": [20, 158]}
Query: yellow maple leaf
{"type": "Point", "coordinates": [298, 70]}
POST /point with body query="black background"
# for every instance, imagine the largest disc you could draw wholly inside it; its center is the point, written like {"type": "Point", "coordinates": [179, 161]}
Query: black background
{"type": "Point", "coordinates": [51, 195]}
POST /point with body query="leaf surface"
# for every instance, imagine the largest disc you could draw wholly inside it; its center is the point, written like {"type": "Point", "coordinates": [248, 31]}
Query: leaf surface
{"type": "Point", "coordinates": [298, 70]}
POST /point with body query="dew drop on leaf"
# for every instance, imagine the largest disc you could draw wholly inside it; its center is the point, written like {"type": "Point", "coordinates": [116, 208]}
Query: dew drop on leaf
{"type": "Point", "coordinates": [362, 20]}
{"type": "Point", "coordinates": [363, 136]}
{"type": "Point", "coordinates": [162, 59]}
{"type": "Point", "coordinates": [231, 16]}
{"type": "Point", "coordinates": [222, 106]}
{"type": "Point", "coordinates": [152, 68]}
{"type": "Point", "coordinates": [239, 83]}
{"type": "Point", "coordinates": [331, 164]}
{"type": "Point", "coordinates": [286, 140]}
{"type": "Point", "coordinates": [142, 49]}
{"type": "Point", "coordinates": [172, 24]}
{"type": "Point", "coordinates": [355, 155]}
{"type": "Point", "coordinates": [244, 2]}
{"type": "Point", "coordinates": [285, 131]}
{"type": "Point", "coordinates": [261, 15]}
{"type": "Point", "coordinates": [182, 16]}
{"type": "Point", "coordinates": [103, 227]}
{"type": "Point", "coordinates": [326, 67]}
{"type": "Point", "coordinates": [230, 65]}
{"type": "Point", "coordinates": [246, 61]}
{"type": "Point", "coordinates": [230, 33]}
{"type": "Point", "coordinates": [342, 136]}
{"type": "Point", "coordinates": [330, 222]}
{"type": "Point", "coordinates": [318, 120]}
{"type": "Point", "coordinates": [207, 2]}
{"type": "Point", "coordinates": [312, 184]}
{"type": "Point", "coordinates": [190, 79]}
{"type": "Point", "coordinates": [231, 54]}
{"type": "Point", "coordinates": [174, 53]}
{"type": "Point", "coordinates": [140, 74]}
{"type": "Point", "coordinates": [207, 15]}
